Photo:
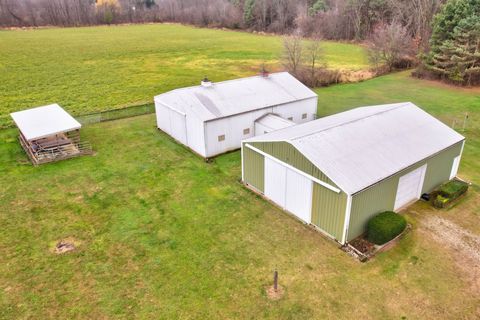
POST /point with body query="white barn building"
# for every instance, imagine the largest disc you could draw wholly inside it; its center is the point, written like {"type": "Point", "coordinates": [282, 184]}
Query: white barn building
{"type": "Point", "coordinates": [214, 118]}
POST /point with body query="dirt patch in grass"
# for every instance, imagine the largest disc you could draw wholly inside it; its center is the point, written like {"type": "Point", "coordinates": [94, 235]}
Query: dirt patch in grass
{"type": "Point", "coordinates": [65, 245]}
{"type": "Point", "coordinates": [464, 244]}
{"type": "Point", "coordinates": [273, 294]}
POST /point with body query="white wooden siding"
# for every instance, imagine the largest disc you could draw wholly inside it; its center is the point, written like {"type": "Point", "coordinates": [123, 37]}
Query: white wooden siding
{"type": "Point", "coordinates": [232, 127]}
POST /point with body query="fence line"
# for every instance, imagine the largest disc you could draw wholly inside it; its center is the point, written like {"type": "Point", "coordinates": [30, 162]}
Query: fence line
{"type": "Point", "coordinates": [102, 116]}
{"type": "Point", "coordinates": [115, 114]}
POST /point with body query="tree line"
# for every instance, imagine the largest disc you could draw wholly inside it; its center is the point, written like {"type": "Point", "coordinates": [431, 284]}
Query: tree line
{"type": "Point", "coordinates": [330, 19]}
{"type": "Point", "coordinates": [443, 36]}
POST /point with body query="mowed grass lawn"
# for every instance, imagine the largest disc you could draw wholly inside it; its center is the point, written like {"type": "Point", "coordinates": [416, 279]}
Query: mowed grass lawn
{"type": "Point", "coordinates": [100, 68]}
{"type": "Point", "coordinates": [164, 235]}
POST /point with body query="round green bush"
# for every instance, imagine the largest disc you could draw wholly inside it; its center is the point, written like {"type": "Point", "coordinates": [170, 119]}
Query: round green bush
{"type": "Point", "coordinates": [385, 226]}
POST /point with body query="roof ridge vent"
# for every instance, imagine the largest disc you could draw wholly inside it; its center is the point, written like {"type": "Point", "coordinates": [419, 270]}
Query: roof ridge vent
{"type": "Point", "coordinates": [206, 83]}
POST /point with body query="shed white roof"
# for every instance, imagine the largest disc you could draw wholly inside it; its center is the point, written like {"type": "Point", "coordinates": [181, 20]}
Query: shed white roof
{"type": "Point", "coordinates": [274, 122]}
{"type": "Point", "coordinates": [223, 99]}
{"type": "Point", "coordinates": [363, 146]}
{"type": "Point", "coordinates": [44, 121]}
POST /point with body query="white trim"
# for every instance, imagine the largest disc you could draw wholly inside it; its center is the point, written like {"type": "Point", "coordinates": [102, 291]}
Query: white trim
{"type": "Point", "coordinates": [186, 130]}
{"type": "Point", "coordinates": [348, 212]}
{"type": "Point", "coordinates": [306, 157]}
{"type": "Point", "coordinates": [456, 163]}
{"type": "Point", "coordinates": [171, 108]}
{"type": "Point", "coordinates": [290, 143]}
{"type": "Point", "coordinates": [241, 156]}
{"type": "Point", "coordinates": [420, 187]}
{"type": "Point", "coordinates": [324, 184]}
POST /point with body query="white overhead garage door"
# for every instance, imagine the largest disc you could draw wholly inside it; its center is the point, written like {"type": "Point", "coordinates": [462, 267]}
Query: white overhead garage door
{"type": "Point", "coordinates": [289, 189]}
{"type": "Point", "coordinates": [410, 187]}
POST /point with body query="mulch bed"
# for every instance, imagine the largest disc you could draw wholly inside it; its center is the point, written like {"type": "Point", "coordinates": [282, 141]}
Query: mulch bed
{"type": "Point", "coordinates": [365, 250]}
{"type": "Point", "coordinates": [363, 245]}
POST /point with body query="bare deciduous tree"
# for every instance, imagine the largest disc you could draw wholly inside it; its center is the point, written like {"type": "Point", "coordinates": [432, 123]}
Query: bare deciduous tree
{"type": "Point", "coordinates": [292, 52]}
{"type": "Point", "coordinates": [391, 45]}
{"type": "Point", "coordinates": [313, 60]}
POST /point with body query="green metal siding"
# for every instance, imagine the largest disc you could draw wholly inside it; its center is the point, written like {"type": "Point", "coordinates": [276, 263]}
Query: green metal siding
{"type": "Point", "coordinates": [287, 153]}
{"type": "Point", "coordinates": [369, 202]}
{"type": "Point", "coordinates": [440, 167]}
{"type": "Point", "coordinates": [254, 169]}
{"type": "Point", "coordinates": [328, 210]}
{"type": "Point", "coordinates": [381, 196]}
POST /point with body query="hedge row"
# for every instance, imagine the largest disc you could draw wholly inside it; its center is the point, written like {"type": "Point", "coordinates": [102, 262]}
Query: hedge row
{"type": "Point", "coordinates": [449, 192]}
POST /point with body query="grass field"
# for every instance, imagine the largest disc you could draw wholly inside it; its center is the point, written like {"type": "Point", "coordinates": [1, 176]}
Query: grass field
{"type": "Point", "coordinates": [165, 235]}
{"type": "Point", "coordinates": [100, 68]}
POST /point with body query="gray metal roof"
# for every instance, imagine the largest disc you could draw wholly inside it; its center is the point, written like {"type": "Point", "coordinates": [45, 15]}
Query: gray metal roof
{"type": "Point", "coordinates": [363, 146]}
{"type": "Point", "coordinates": [274, 122]}
{"type": "Point", "coordinates": [223, 99]}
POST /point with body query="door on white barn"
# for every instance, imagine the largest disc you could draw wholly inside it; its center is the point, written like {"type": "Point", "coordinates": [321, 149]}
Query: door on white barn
{"type": "Point", "coordinates": [178, 126]}
{"type": "Point", "coordinates": [289, 189]}
{"type": "Point", "coordinates": [410, 187]}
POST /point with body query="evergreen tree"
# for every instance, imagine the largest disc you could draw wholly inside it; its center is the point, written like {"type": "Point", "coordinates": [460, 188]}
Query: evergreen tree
{"type": "Point", "coordinates": [455, 42]}
{"type": "Point", "coordinates": [248, 16]}
{"type": "Point", "coordinates": [317, 6]}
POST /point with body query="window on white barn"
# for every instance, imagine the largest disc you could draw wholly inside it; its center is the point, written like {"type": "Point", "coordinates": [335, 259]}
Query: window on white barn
{"type": "Point", "coordinates": [290, 118]}
{"type": "Point", "coordinates": [221, 138]}
{"type": "Point", "coordinates": [304, 116]}
{"type": "Point", "coordinates": [246, 131]}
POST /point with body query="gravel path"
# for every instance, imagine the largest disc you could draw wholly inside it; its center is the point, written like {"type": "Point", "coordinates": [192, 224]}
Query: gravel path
{"type": "Point", "coordinates": [464, 243]}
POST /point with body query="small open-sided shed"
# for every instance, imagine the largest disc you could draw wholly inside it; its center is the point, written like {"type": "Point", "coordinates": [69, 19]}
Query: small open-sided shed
{"type": "Point", "coordinates": [49, 134]}
{"type": "Point", "coordinates": [338, 171]}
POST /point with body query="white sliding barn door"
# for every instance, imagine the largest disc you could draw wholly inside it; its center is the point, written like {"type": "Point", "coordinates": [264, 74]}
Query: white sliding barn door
{"type": "Point", "coordinates": [299, 195]}
{"type": "Point", "coordinates": [275, 181]}
{"type": "Point", "coordinates": [288, 189]}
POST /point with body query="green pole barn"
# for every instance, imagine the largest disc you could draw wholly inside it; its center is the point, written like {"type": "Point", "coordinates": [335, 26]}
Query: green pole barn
{"type": "Point", "coordinates": [337, 172]}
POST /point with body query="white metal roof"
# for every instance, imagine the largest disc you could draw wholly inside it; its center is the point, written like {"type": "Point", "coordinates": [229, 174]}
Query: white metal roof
{"type": "Point", "coordinates": [363, 146]}
{"type": "Point", "coordinates": [44, 121]}
{"type": "Point", "coordinates": [231, 97]}
{"type": "Point", "coordinates": [274, 122]}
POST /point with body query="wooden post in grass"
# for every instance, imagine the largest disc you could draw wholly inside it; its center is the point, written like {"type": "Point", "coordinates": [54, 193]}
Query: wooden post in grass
{"type": "Point", "coordinates": [275, 280]}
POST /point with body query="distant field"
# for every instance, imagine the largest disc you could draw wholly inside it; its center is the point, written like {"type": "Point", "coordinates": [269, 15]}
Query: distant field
{"type": "Point", "coordinates": [164, 235]}
{"type": "Point", "coordinates": [100, 68]}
